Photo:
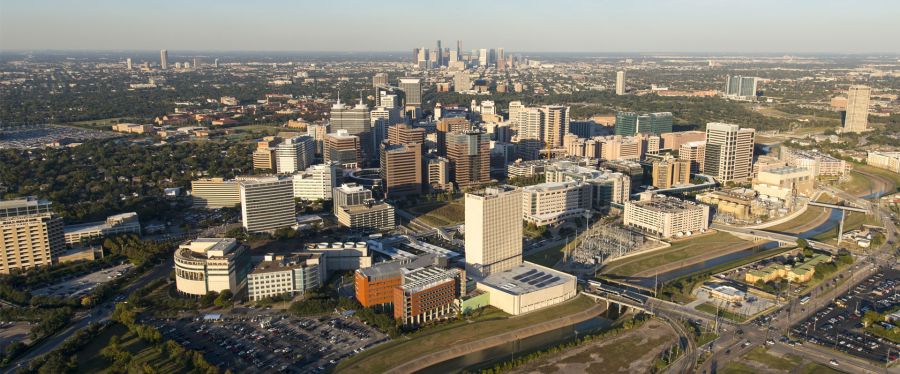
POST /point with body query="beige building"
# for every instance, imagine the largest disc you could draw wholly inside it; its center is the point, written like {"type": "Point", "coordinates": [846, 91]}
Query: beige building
{"type": "Point", "coordinates": [674, 140]}
{"type": "Point", "coordinates": [30, 234]}
{"type": "Point", "coordinates": [694, 153]}
{"type": "Point", "coordinates": [884, 160]}
{"type": "Point", "coordinates": [267, 204]}
{"type": "Point", "coordinates": [401, 169]}
{"type": "Point", "coordinates": [125, 223]}
{"type": "Point", "coordinates": [315, 183]}
{"type": "Point", "coordinates": [285, 275]}
{"type": "Point", "coordinates": [821, 164]}
{"type": "Point", "coordinates": [211, 264]}
{"type": "Point", "coordinates": [369, 216]}
{"type": "Point", "coordinates": [665, 216]}
{"type": "Point", "coordinates": [343, 148]}
{"type": "Point", "coordinates": [729, 152]}
{"type": "Point", "coordinates": [213, 193]}
{"type": "Point", "coordinates": [671, 172]}
{"type": "Point", "coordinates": [785, 183]}
{"type": "Point", "coordinates": [728, 203]}
{"type": "Point", "coordinates": [350, 194]}
{"type": "Point", "coordinates": [857, 116]}
{"type": "Point", "coordinates": [133, 128]}
{"type": "Point", "coordinates": [553, 202]}
{"type": "Point", "coordinates": [493, 230]}
{"type": "Point", "coordinates": [343, 256]}
{"type": "Point", "coordinates": [527, 287]}
{"type": "Point", "coordinates": [264, 155]}
{"type": "Point", "coordinates": [439, 174]}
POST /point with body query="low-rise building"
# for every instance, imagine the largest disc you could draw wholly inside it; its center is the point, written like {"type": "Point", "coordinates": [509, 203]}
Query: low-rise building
{"type": "Point", "coordinates": [821, 164]}
{"type": "Point", "coordinates": [552, 202]}
{"type": "Point", "coordinates": [785, 183]}
{"type": "Point", "coordinates": [427, 294]}
{"type": "Point", "coordinates": [527, 287]}
{"type": "Point", "coordinates": [125, 223]}
{"type": "Point", "coordinates": [368, 216]}
{"type": "Point", "coordinates": [285, 275]}
{"type": "Point", "coordinates": [666, 216]}
{"type": "Point", "coordinates": [884, 160]}
{"type": "Point", "coordinates": [343, 256]}
{"type": "Point", "coordinates": [375, 285]}
{"type": "Point", "coordinates": [211, 264]}
{"type": "Point", "coordinates": [213, 193]}
{"type": "Point", "coordinates": [799, 272]}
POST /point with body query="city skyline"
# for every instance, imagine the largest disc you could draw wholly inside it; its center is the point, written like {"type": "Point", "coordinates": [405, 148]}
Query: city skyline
{"type": "Point", "coordinates": [691, 26]}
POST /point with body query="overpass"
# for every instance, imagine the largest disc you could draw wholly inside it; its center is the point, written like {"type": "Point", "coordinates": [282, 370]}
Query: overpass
{"type": "Point", "coordinates": [844, 210]}
{"type": "Point", "coordinates": [615, 295]}
{"type": "Point", "coordinates": [781, 238]}
{"type": "Point", "coordinates": [708, 185]}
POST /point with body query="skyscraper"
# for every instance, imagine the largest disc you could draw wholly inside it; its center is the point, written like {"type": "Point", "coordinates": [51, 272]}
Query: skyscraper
{"type": "Point", "coordinates": [501, 59]}
{"type": "Point", "coordinates": [493, 231]}
{"type": "Point", "coordinates": [482, 57]}
{"type": "Point", "coordinates": [357, 121]}
{"type": "Point", "coordinates": [343, 148]}
{"type": "Point", "coordinates": [740, 87]}
{"type": "Point", "coordinates": [128, 63]}
{"type": "Point", "coordinates": [857, 117]}
{"type": "Point", "coordinates": [555, 124]}
{"type": "Point", "coordinates": [631, 123]}
{"type": "Point", "coordinates": [620, 82]}
{"type": "Point", "coordinates": [401, 169]}
{"type": "Point", "coordinates": [267, 204]}
{"type": "Point", "coordinates": [470, 157]}
{"type": "Point", "coordinates": [729, 152]}
{"type": "Point", "coordinates": [295, 154]}
{"type": "Point", "coordinates": [459, 50]}
{"type": "Point", "coordinates": [380, 80]}
{"type": "Point", "coordinates": [30, 234]}
{"type": "Point", "coordinates": [439, 52]}
{"type": "Point", "coordinates": [164, 59]}
{"type": "Point", "coordinates": [412, 88]}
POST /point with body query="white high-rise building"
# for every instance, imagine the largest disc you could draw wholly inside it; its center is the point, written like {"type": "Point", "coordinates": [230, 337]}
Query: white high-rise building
{"type": "Point", "coordinates": [493, 231]}
{"type": "Point", "coordinates": [620, 82]}
{"type": "Point", "coordinates": [164, 59]}
{"type": "Point", "coordinates": [128, 63]}
{"type": "Point", "coordinates": [267, 204]}
{"type": "Point", "coordinates": [857, 117]}
{"type": "Point", "coordinates": [315, 183]}
{"type": "Point", "coordinates": [294, 154]}
{"type": "Point", "coordinates": [740, 87]}
{"type": "Point", "coordinates": [729, 152]}
{"type": "Point", "coordinates": [482, 57]}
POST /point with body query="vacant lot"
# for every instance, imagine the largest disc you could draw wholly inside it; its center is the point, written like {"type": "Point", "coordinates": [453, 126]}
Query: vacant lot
{"type": "Point", "coordinates": [440, 214]}
{"type": "Point", "coordinates": [760, 360]}
{"type": "Point", "coordinates": [547, 257]}
{"type": "Point", "coordinates": [634, 351]}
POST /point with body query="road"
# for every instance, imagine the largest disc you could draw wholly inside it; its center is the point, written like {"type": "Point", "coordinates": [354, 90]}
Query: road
{"type": "Point", "coordinates": [772, 236]}
{"type": "Point", "coordinates": [98, 313]}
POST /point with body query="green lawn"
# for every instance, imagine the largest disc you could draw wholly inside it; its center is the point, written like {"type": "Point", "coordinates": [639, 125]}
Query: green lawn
{"type": "Point", "coordinates": [735, 367]}
{"type": "Point", "coordinates": [785, 363]}
{"type": "Point", "coordinates": [857, 184]}
{"type": "Point", "coordinates": [97, 124]}
{"type": "Point", "coordinates": [547, 257]}
{"type": "Point", "coordinates": [404, 349]}
{"type": "Point", "coordinates": [809, 215]}
{"type": "Point", "coordinates": [889, 175]}
{"type": "Point", "coordinates": [679, 251]}
{"type": "Point", "coordinates": [711, 309]}
{"type": "Point", "coordinates": [440, 214]}
{"type": "Point", "coordinates": [90, 360]}
{"type": "Point", "coordinates": [814, 368]}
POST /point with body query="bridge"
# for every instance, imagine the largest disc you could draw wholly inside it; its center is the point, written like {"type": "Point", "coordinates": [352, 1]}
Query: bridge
{"type": "Point", "coordinates": [781, 238]}
{"type": "Point", "coordinates": [615, 295]}
{"type": "Point", "coordinates": [844, 210]}
{"type": "Point", "coordinates": [708, 185]}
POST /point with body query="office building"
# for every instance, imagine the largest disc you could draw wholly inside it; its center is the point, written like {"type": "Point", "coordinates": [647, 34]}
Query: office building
{"type": "Point", "coordinates": [857, 117]}
{"type": "Point", "coordinates": [211, 265]}
{"type": "Point", "coordinates": [285, 275]}
{"type": "Point", "coordinates": [462, 81]}
{"type": "Point", "coordinates": [214, 193]}
{"type": "Point", "coordinates": [630, 123]}
{"type": "Point", "coordinates": [125, 223]}
{"type": "Point", "coordinates": [368, 216]}
{"type": "Point", "coordinates": [342, 148]}
{"type": "Point", "coordinates": [426, 295]}
{"type": "Point", "coordinates": [412, 89]}
{"type": "Point", "coordinates": [740, 87]}
{"type": "Point", "coordinates": [553, 202]}
{"type": "Point", "coordinates": [405, 134]}
{"type": "Point", "coordinates": [450, 125]}
{"type": "Point", "coordinates": [665, 216]}
{"type": "Point", "coordinates": [439, 174]}
{"type": "Point", "coordinates": [30, 234]}
{"type": "Point", "coordinates": [694, 153]}
{"type": "Point", "coordinates": [470, 158]}
{"type": "Point", "coordinates": [401, 169]}
{"type": "Point", "coordinates": [264, 156]}
{"type": "Point", "coordinates": [295, 154]}
{"type": "Point", "coordinates": [620, 82]}
{"type": "Point", "coordinates": [822, 164]}
{"type": "Point", "coordinates": [729, 152]}
{"type": "Point", "coordinates": [350, 194]}
{"type": "Point", "coordinates": [785, 183]}
{"type": "Point", "coordinates": [163, 59]}
{"type": "Point", "coordinates": [315, 183]}
{"type": "Point", "coordinates": [267, 204]}
{"type": "Point", "coordinates": [380, 80]}
{"type": "Point", "coordinates": [374, 286]}
{"type": "Point", "coordinates": [530, 128]}
{"type": "Point", "coordinates": [884, 160]}
{"type": "Point", "coordinates": [493, 236]}
{"type": "Point", "coordinates": [128, 63]}
{"type": "Point", "coordinates": [607, 187]}
{"type": "Point", "coordinates": [674, 140]}
{"type": "Point", "coordinates": [356, 121]}
{"type": "Point", "coordinates": [671, 172]}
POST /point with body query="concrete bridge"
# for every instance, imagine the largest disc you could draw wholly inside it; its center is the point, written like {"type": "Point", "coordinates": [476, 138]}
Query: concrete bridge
{"type": "Point", "coordinates": [781, 238]}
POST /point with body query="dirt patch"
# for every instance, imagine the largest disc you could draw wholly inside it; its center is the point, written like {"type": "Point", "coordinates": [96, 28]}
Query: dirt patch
{"type": "Point", "coordinates": [633, 351]}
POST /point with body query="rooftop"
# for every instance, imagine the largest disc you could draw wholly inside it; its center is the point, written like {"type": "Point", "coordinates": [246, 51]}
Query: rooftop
{"type": "Point", "coordinates": [526, 278]}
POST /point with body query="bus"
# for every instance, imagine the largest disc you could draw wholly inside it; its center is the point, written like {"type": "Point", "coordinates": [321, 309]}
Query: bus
{"type": "Point", "coordinates": [804, 299]}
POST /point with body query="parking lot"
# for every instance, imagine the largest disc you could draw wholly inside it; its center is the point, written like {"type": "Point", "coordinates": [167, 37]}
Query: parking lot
{"type": "Point", "coordinates": [83, 285]}
{"type": "Point", "coordinates": [839, 325]}
{"type": "Point", "coordinates": [268, 341]}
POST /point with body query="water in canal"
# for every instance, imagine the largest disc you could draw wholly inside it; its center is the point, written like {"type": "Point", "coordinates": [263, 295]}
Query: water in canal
{"type": "Point", "coordinates": [489, 357]}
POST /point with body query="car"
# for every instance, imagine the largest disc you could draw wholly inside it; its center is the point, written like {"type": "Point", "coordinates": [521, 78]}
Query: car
{"type": "Point", "coordinates": [833, 362]}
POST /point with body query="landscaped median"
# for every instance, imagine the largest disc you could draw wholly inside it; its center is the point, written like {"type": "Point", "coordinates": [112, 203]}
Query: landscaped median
{"type": "Point", "coordinates": [466, 335]}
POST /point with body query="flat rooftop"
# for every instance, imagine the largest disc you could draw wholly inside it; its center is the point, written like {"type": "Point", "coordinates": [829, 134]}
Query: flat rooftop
{"type": "Point", "coordinates": [526, 278]}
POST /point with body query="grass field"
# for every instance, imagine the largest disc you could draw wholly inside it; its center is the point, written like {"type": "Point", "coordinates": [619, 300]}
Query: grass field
{"type": "Point", "coordinates": [97, 124]}
{"type": "Point", "coordinates": [679, 251]}
{"type": "Point", "coordinates": [735, 367]}
{"type": "Point", "coordinates": [852, 221]}
{"type": "Point", "coordinates": [888, 175]}
{"type": "Point", "coordinates": [389, 355]}
{"type": "Point", "coordinates": [90, 360]}
{"type": "Point", "coordinates": [785, 363]}
{"type": "Point", "coordinates": [440, 214]}
{"type": "Point", "coordinates": [809, 215]}
{"type": "Point", "coordinates": [547, 257]}
{"type": "Point", "coordinates": [857, 184]}
{"type": "Point", "coordinates": [711, 309]}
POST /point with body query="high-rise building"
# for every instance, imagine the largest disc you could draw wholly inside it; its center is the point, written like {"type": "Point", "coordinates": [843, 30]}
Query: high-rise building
{"type": "Point", "coordinates": [315, 183]}
{"type": "Point", "coordinates": [555, 124]}
{"type": "Point", "coordinates": [530, 131]}
{"type": "Point", "coordinates": [30, 234]}
{"type": "Point", "coordinates": [631, 123]}
{"type": "Point", "coordinates": [380, 80]}
{"type": "Point", "coordinates": [483, 57]}
{"type": "Point", "coordinates": [620, 82]}
{"type": "Point", "coordinates": [128, 63]}
{"type": "Point", "coordinates": [267, 204]}
{"type": "Point", "coordinates": [412, 88]}
{"type": "Point", "coordinates": [211, 264]}
{"type": "Point", "coordinates": [695, 154]}
{"type": "Point", "coordinates": [446, 126]}
{"type": "Point", "coordinates": [343, 148]}
{"type": "Point", "coordinates": [164, 59]}
{"type": "Point", "coordinates": [501, 59]}
{"type": "Point", "coordinates": [264, 156]}
{"type": "Point", "coordinates": [439, 174]}
{"type": "Point", "coordinates": [295, 154]}
{"type": "Point", "coordinates": [387, 98]}
{"type": "Point", "coordinates": [469, 153]}
{"type": "Point", "coordinates": [439, 55]}
{"type": "Point", "coordinates": [552, 202]}
{"type": "Point", "coordinates": [350, 194]}
{"type": "Point", "coordinates": [665, 216]}
{"type": "Point", "coordinates": [357, 121]}
{"type": "Point", "coordinates": [514, 108]}
{"type": "Point", "coordinates": [405, 134]}
{"type": "Point", "coordinates": [493, 231]}
{"type": "Point", "coordinates": [401, 169]}
{"type": "Point", "coordinates": [214, 193]}
{"type": "Point", "coordinates": [383, 119]}
{"type": "Point", "coordinates": [671, 172]}
{"type": "Point", "coordinates": [857, 117]}
{"type": "Point", "coordinates": [740, 87]}
{"type": "Point", "coordinates": [729, 152]}
{"type": "Point", "coordinates": [461, 81]}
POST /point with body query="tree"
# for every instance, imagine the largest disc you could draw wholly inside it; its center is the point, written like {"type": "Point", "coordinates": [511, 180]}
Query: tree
{"type": "Point", "coordinates": [208, 299]}
{"type": "Point", "coordinates": [802, 243]}
{"type": "Point", "coordinates": [224, 298]}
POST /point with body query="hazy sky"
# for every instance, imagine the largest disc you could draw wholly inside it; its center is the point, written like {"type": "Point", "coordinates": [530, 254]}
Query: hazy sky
{"type": "Point", "coordinates": [796, 26]}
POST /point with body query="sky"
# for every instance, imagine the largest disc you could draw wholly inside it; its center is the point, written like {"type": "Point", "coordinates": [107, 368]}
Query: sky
{"type": "Point", "coordinates": [708, 26]}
